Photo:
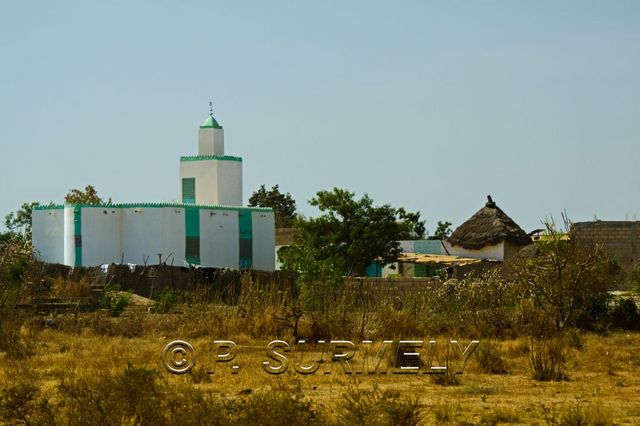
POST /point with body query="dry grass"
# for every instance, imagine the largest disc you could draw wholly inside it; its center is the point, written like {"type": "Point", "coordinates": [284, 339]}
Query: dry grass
{"type": "Point", "coordinates": [71, 366]}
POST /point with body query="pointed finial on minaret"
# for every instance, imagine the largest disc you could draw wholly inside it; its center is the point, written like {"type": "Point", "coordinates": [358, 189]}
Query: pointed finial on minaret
{"type": "Point", "coordinates": [211, 108]}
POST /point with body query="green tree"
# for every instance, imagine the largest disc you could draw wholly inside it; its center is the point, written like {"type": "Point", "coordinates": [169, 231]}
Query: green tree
{"type": "Point", "coordinates": [442, 231]}
{"type": "Point", "coordinates": [350, 234]}
{"type": "Point", "coordinates": [19, 222]}
{"type": "Point", "coordinates": [283, 205]}
{"type": "Point", "coordinates": [88, 196]}
{"type": "Point", "coordinates": [566, 279]}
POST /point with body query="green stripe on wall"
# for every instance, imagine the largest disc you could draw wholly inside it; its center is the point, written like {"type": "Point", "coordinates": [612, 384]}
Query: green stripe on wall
{"type": "Point", "coordinates": [245, 223]}
{"type": "Point", "coordinates": [77, 234]}
{"type": "Point", "coordinates": [192, 234]}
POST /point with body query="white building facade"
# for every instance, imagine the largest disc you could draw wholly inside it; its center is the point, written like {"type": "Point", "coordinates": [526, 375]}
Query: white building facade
{"type": "Point", "coordinates": [208, 228]}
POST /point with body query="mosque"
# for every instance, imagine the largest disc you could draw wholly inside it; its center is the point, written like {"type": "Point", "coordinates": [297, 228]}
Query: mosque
{"type": "Point", "coordinates": [208, 228]}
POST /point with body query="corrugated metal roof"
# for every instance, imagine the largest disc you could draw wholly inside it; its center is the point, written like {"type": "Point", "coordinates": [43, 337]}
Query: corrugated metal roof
{"type": "Point", "coordinates": [439, 259]}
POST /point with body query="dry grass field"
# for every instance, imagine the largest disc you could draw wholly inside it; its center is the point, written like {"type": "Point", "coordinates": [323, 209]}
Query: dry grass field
{"type": "Point", "coordinates": [94, 374]}
{"type": "Point", "coordinates": [535, 363]}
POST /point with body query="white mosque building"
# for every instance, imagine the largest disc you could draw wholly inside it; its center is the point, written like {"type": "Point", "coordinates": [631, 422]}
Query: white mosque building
{"type": "Point", "coordinates": [208, 228]}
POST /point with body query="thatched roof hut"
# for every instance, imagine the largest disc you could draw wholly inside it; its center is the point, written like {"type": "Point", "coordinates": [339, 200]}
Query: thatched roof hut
{"type": "Point", "coordinates": [489, 226]}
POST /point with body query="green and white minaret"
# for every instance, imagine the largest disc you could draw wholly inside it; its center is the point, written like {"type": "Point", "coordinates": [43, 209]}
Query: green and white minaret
{"type": "Point", "coordinates": [211, 177]}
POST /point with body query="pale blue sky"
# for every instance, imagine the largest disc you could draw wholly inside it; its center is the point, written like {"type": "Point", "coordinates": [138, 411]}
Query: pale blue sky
{"type": "Point", "coordinates": [426, 105]}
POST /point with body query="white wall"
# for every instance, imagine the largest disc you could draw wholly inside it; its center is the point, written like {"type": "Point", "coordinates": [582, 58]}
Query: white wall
{"type": "Point", "coordinates": [264, 239]}
{"type": "Point", "coordinates": [495, 252]}
{"type": "Point", "coordinates": [69, 237]}
{"type": "Point", "coordinates": [218, 182]}
{"type": "Point", "coordinates": [210, 141]}
{"type": "Point", "coordinates": [230, 183]}
{"type": "Point", "coordinates": [219, 235]}
{"type": "Point", "coordinates": [147, 231]}
{"type": "Point", "coordinates": [101, 241]}
{"type": "Point", "coordinates": [48, 235]}
{"type": "Point", "coordinates": [206, 174]}
{"type": "Point", "coordinates": [133, 234]}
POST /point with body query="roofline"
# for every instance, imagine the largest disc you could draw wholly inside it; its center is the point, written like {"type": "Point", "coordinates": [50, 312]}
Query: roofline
{"type": "Point", "coordinates": [210, 157]}
{"type": "Point", "coordinates": [154, 205]}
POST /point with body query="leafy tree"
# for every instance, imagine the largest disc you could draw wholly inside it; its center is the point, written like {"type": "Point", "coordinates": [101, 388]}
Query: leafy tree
{"type": "Point", "coordinates": [350, 234]}
{"type": "Point", "coordinates": [88, 196]}
{"type": "Point", "coordinates": [443, 231]}
{"type": "Point", "coordinates": [565, 279]}
{"type": "Point", "coordinates": [283, 205]}
{"type": "Point", "coordinates": [19, 222]}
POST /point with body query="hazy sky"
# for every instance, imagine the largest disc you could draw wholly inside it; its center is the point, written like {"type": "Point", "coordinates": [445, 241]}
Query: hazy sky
{"type": "Point", "coordinates": [426, 105]}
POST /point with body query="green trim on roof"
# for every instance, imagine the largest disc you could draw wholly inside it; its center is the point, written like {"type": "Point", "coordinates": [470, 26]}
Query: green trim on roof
{"type": "Point", "coordinates": [210, 122]}
{"type": "Point", "coordinates": [210, 157]}
{"type": "Point", "coordinates": [161, 205]}
{"type": "Point", "coordinates": [50, 207]}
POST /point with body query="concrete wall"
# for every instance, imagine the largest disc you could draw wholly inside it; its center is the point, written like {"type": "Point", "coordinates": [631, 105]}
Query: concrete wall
{"type": "Point", "coordinates": [229, 183]}
{"type": "Point", "coordinates": [218, 182]}
{"type": "Point", "coordinates": [210, 141]}
{"type": "Point", "coordinates": [263, 226]}
{"type": "Point", "coordinates": [219, 244]}
{"type": "Point", "coordinates": [621, 239]}
{"type": "Point", "coordinates": [68, 237]}
{"type": "Point", "coordinates": [148, 231]}
{"type": "Point", "coordinates": [101, 237]}
{"type": "Point", "coordinates": [137, 234]}
{"type": "Point", "coordinates": [48, 235]}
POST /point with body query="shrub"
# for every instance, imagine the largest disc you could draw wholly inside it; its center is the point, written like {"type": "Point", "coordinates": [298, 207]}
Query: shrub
{"type": "Point", "coordinates": [115, 301]}
{"type": "Point", "coordinates": [625, 315]}
{"type": "Point", "coordinates": [566, 279]}
{"type": "Point", "coordinates": [168, 300]}
{"type": "Point", "coordinates": [547, 358]}
{"type": "Point", "coordinates": [499, 416]}
{"type": "Point", "coordinates": [446, 379]}
{"type": "Point", "coordinates": [21, 401]}
{"type": "Point", "coordinates": [446, 412]}
{"type": "Point", "coordinates": [359, 406]}
{"type": "Point", "coordinates": [580, 415]}
{"type": "Point", "coordinates": [15, 261]}
{"type": "Point", "coordinates": [490, 360]}
{"type": "Point", "coordinates": [282, 405]}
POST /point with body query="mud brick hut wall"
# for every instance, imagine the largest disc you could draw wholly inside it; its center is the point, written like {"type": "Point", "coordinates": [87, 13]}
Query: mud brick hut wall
{"type": "Point", "coordinates": [620, 239]}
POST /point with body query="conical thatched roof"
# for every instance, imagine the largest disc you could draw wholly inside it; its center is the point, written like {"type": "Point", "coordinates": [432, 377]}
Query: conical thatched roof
{"type": "Point", "coordinates": [489, 226]}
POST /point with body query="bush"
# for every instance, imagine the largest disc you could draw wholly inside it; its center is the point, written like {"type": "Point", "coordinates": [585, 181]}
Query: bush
{"type": "Point", "coordinates": [625, 315]}
{"type": "Point", "coordinates": [115, 301]}
{"type": "Point", "coordinates": [499, 416]}
{"type": "Point", "coordinates": [579, 415]}
{"type": "Point", "coordinates": [373, 406]}
{"type": "Point", "coordinates": [281, 405]}
{"type": "Point", "coordinates": [168, 300]}
{"type": "Point", "coordinates": [15, 262]}
{"type": "Point", "coordinates": [566, 279]}
{"type": "Point", "coordinates": [21, 401]}
{"type": "Point", "coordinates": [490, 360]}
{"type": "Point", "coordinates": [547, 358]}
{"type": "Point", "coordinates": [447, 412]}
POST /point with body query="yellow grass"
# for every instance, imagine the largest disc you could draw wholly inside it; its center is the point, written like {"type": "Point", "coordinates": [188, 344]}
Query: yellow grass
{"type": "Point", "coordinates": [604, 375]}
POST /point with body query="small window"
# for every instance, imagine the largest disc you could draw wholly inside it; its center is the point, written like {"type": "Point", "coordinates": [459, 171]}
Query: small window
{"type": "Point", "coordinates": [189, 190]}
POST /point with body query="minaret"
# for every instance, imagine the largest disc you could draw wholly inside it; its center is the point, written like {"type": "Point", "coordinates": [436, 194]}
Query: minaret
{"type": "Point", "coordinates": [211, 177]}
{"type": "Point", "coordinates": [210, 136]}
